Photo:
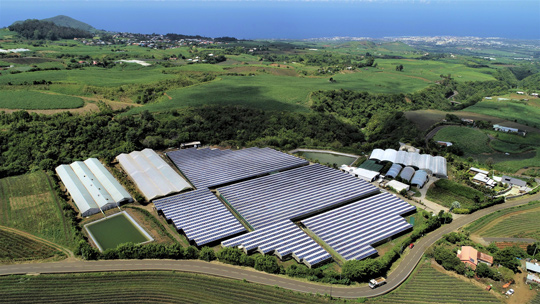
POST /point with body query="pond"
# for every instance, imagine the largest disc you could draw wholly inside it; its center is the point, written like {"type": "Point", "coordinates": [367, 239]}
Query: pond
{"type": "Point", "coordinates": [115, 230]}
{"type": "Point", "coordinates": [328, 158]}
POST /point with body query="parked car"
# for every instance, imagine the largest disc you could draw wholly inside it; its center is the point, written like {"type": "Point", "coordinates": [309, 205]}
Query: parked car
{"type": "Point", "coordinates": [510, 292]}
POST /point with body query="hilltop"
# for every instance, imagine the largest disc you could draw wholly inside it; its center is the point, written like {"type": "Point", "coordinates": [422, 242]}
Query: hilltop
{"type": "Point", "coordinates": [66, 21]}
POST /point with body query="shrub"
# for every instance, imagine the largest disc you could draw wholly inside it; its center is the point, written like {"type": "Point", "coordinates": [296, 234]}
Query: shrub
{"type": "Point", "coordinates": [207, 254]}
{"type": "Point", "coordinates": [267, 263]}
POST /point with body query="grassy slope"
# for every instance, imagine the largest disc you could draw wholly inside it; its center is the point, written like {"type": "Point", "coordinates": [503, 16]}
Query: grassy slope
{"type": "Point", "coordinates": [428, 285]}
{"type": "Point", "coordinates": [37, 101]}
{"type": "Point", "coordinates": [485, 220]}
{"type": "Point", "coordinates": [445, 192]}
{"type": "Point", "coordinates": [29, 204]}
{"type": "Point", "coordinates": [471, 141]}
{"type": "Point", "coordinates": [146, 287]}
{"type": "Point", "coordinates": [525, 113]}
{"type": "Point", "coordinates": [14, 247]}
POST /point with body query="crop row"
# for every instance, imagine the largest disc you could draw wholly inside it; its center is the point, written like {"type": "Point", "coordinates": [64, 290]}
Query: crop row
{"type": "Point", "coordinates": [17, 247]}
{"type": "Point", "coordinates": [480, 223]}
{"type": "Point", "coordinates": [428, 285]}
{"type": "Point", "coordinates": [139, 287]}
{"type": "Point", "coordinates": [515, 226]}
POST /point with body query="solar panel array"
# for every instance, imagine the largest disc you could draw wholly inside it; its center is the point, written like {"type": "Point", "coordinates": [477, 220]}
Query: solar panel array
{"type": "Point", "coordinates": [200, 214]}
{"type": "Point", "coordinates": [352, 229]}
{"type": "Point", "coordinates": [213, 167]}
{"type": "Point", "coordinates": [284, 239]}
{"type": "Point", "coordinates": [293, 193]}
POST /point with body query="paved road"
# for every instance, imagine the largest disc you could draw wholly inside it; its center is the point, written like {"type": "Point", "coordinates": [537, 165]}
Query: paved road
{"type": "Point", "coordinates": [394, 279]}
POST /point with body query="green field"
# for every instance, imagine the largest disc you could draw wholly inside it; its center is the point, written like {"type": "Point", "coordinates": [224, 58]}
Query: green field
{"type": "Point", "coordinates": [428, 285]}
{"type": "Point", "coordinates": [28, 203]}
{"type": "Point", "coordinates": [521, 112]}
{"type": "Point", "coordinates": [142, 287]}
{"type": "Point", "coordinates": [14, 247]}
{"type": "Point", "coordinates": [536, 300]}
{"type": "Point", "coordinates": [518, 222]}
{"type": "Point", "coordinates": [445, 192]}
{"type": "Point", "coordinates": [471, 141]}
{"type": "Point", "coordinates": [32, 100]}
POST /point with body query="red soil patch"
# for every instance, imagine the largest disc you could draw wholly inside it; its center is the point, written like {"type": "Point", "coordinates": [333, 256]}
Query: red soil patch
{"type": "Point", "coordinates": [502, 245]}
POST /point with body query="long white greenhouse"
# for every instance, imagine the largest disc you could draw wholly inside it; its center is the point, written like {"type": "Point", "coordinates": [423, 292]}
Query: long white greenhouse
{"type": "Point", "coordinates": [92, 186]}
{"type": "Point", "coordinates": [152, 175]}
{"type": "Point", "coordinates": [436, 165]}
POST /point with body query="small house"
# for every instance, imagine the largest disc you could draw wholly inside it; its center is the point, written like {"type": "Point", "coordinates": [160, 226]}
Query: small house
{"type": "Point", "coordinates": [471, 257]}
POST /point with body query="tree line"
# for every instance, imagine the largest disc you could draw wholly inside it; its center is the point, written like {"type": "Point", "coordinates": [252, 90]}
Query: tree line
{"type": "Point", "coordinates": [37, 30]}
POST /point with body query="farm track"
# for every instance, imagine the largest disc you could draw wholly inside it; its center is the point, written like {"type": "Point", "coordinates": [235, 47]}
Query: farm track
{"type": "Point", "coordinates": [400, 274]}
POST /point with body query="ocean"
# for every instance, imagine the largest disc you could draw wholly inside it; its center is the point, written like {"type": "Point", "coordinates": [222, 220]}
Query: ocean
{"type": "Point", "coordinates": [260, 19]}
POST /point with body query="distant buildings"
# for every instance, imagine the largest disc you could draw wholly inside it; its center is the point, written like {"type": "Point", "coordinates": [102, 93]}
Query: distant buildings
{"type": "Point", "coordinates": [509, 130]}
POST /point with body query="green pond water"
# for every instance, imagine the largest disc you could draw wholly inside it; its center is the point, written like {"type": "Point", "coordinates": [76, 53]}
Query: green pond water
{"type": "Point", "coordinates": [328, 158]}
{"type": "Point", "coordinates": [114, 231]}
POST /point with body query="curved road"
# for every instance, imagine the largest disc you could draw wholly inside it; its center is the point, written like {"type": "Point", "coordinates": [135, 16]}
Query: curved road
{"type": "Point", "coordinates": [217, 269]}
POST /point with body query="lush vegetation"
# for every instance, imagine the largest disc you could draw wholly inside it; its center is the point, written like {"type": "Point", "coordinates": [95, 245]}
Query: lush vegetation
{"type": "Point", "coordinates": [32, 100]}
{"type": "Point", "coordinates": [29, 203]}
{"type": "Point", "coordinates": [445, 192]}
{"type": "Point", "coordinates": [147, 287]}
{"type": "Point", "coordinates": [470, 140]}
{"type": "Point", "coordinates": [15, 247]}
{"type": "Point", "coordinates": [527, 113]}
{"type": "Point", "coordinates": [36, 29]}
{"type": "Point", "coordinates": [428, 285]}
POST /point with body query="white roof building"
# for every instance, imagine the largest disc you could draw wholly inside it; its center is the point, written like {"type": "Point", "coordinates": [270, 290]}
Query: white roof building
{"type": "Point", "coordinates": [152, 175]}
{"type": "Point", "coordinates": [483, 179]}
{"type": "Point", "coordinates": [398, 186]}
{"type": "Point", "coordinates": [436, 165]}
{"type": "Point", "coordinates": [367, 175]}
{"type": "Point", "coordinates": [92, 186]}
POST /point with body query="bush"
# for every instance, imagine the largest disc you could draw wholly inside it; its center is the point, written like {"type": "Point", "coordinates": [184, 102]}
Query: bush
{"type": "Point", "coordinates": [191, 252]}
{"type": "Point", "coordinates": [461, 211]}
{"type": "Point", "coordinates": [207, 254]}
{"type": "Point", "coordinates": [266, 263]}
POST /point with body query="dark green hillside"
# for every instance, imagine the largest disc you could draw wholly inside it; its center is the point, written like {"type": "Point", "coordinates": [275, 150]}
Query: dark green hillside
{"type": "Point", "coordinates": [36, 29]}
{"type": "Point", "coordinates": [66, 21]}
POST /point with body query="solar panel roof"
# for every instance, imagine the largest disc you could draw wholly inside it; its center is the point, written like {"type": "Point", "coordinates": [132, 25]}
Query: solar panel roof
{"type": "Point", "coordinates": [293, 193]}
{"type": "Point", "coordinates": [213, 167]}
{"type": "Point", "coordinates": [200, 214]}
{"type": "Point", "coordinates": [352, 229]}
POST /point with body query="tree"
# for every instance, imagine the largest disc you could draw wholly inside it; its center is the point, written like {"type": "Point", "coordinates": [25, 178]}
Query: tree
{"type": "Point", "coordinates": [207, 254]}
{"type": "Point", "coordinates": [399, 68]}
{"type": "Point", "coordinates": [484, 271]}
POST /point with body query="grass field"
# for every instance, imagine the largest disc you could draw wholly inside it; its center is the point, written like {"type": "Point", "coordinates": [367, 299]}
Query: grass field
{"type": "Point", "coordinates": [15, 247]}
{"type": "Point", "coordinates": [445, 192]}
{"type": "Point", "coordinates": [142, 287]}
{"type": "Point", "coordinates": [521, 112]}
{"type": "Point", "coordinates": [519, 222]}
{"type": "Point", "coordinates": [32, 100]}
{"type": "Point", "coordinates": [536, 300]}
{"type": "Point", "coordinates": [471, 141]}
{"type": "Point", "coordinates": [28, 203]}
{"type": "Point", "coordinates": [428, 285]}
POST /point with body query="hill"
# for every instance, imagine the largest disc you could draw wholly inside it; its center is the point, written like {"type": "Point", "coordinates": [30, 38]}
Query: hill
{"type": "Point", "coordinates": [62, 20]}
{"type": "Point", "coordinates": [66, 21]}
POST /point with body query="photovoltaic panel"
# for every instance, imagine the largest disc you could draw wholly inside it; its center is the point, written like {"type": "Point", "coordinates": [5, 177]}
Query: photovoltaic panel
{"type": "Point", "coordinates": [200, 214]}
{"type": "Point", "coordinates": [351, 230]}
{"type": "Point", "coordinates": [212, 167]}
{"type": "Point", "coordinates": [284, 239]}
{"type": "Point", "coordinates": [293, 194]}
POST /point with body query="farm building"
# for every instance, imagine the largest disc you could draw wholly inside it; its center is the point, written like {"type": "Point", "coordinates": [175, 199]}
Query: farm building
{"type": "Point", "coordinates": [367, 175]}
{"type": "Point", "coordinates": [476, 170]}
{"type": "Point", "coordinates": [394, 170]}
{"type": "Point", "coordinates": [92, 186]}
{"type": "Point", "coordinates": [233, 166]}
{"type": "Point", "coordinates": [435, 165]}
{"type": "Point", "coordinates": [482, 179]}
{"type": "Point", "coordinates": [471, 257]}
{"type": "Point", "coordinates": [444, 143]}
{"type": "Point", "coordinates": [152, 175]}
{"type": "Point", "coordinates": [514, 182]}
{"type": "Point", "coordinates": [533, 272]}
{"type": "Point", "coordinates": [398, 186]}
{"type": "Point", "coordinates": [420, 179]}
{"type": "Point", "coordinates": [509, 130]}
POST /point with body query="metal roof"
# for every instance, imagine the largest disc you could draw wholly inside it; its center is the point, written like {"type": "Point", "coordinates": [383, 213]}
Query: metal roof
{"type": "Point", "coordinates": [82, 198]}
{"type": "Point", "coordinates": [407, 173]}
{"type": "Point", "coordinates": [420, 178]}
{"type": "Point", "coordinates": [352, 229]}
{"type": "Point", "coordinates": [113, 187]}
{"type": "Point", "coordinates": [394, 170]}
{"type": "Point", "coordinates": [226, 166]}
{"type": "Point", "coordinates": [200, 214]}
{"type": "Point", "coordinates": [293, 193]}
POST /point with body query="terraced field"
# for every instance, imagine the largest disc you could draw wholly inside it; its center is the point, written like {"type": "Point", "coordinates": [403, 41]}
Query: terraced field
{"type": "Point", "coordinates": [428, 285]}
{"type": "Point", "coordinates": [15, 247]}
{"type": "Point", "coordinates": [28, 203]}
{"type": "Point", "coordinates": [521, 222]}
{"type": "Point", "coordinates": [141, 287]}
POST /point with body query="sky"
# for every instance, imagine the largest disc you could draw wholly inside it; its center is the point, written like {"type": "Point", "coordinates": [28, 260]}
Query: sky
{"type": "Point", "coordinates": [293, 19]}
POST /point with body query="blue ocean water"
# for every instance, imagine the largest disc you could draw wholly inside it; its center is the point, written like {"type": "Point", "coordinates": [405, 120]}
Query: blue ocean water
{"type": "Point", "coordinates": [293, 19]}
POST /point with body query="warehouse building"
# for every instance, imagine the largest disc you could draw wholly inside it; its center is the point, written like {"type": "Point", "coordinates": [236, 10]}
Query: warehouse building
{"type": "Point", "coordinates": [92, 187]}
{"type": "Point", "coordinates": [152, 175]}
